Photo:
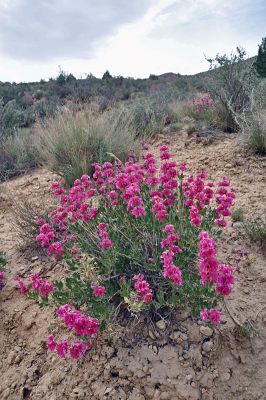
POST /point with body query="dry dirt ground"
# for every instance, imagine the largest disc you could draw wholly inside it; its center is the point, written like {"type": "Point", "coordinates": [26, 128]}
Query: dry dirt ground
{"type": "Point", "coordinates": [185, 361]}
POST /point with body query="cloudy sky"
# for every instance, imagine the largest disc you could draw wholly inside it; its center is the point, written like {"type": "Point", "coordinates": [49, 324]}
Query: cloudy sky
{"type": "Point", "coordinates": [127, 37]}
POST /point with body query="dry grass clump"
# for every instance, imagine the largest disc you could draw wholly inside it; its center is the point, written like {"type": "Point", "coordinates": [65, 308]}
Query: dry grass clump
{"type": "Point", "coordinates": [255, 132]}
{"type": "Point", "coordinates": [24, 215]}
{"type": "Point", "coordinates": [71, 142]}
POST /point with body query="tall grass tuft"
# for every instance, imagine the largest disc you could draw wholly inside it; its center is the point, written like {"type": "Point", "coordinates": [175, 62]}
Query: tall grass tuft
{"type": "Point", "coordinates": [17, 154]}
{"type": "Point", "coordinates": [255, 132]}
{"type": "Point", "coordinates": [72, 142]}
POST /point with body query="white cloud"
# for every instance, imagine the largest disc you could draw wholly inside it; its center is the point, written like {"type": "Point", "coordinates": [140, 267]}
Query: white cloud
{"type": "Point", "coordinates": [168, 35]}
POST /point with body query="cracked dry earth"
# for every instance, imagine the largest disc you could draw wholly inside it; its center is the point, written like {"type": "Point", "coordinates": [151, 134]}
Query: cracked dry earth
{"type": "Point", "coordinates": [186, 361]}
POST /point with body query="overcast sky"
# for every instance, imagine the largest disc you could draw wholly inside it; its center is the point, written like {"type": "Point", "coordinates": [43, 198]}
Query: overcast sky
{"type": "Point", "coordinates": [127, 37]}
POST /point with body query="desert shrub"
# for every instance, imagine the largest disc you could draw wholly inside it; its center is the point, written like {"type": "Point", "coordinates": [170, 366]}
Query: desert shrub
{"type": "Point", "coordinates": [237, 215]}
{"type": "Point", "coordinates": [138, 237]}
{"type": "Point", "coordinates": [71, 142]}
{"type": "Point", "coordinates": [17, 154]}
{"type": "Point", "coordinates": [231, 82]}
{"type": "Point", "coordinates": [253, 120]}
{"type": "Point", "coordinates": [11, 117]}
{"type": "Point", "coordinates": [256, 230]}
{"type": "Point", "coordinates": [148, 115]}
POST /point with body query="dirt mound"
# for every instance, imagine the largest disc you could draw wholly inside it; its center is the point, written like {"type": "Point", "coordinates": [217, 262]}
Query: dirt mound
{"type": "Point", "coordinates": [184, 361]}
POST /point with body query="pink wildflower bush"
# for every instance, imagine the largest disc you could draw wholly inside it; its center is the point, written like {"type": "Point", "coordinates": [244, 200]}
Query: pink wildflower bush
{"type": "Point", "coordinates": [202, 109]}
{"type": "Point", "coordinates": [149, 230]}
{"type": "Point", "coordinates": [202, 104]}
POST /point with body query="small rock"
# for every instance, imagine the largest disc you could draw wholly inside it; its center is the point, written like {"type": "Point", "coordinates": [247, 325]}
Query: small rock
{"type": "Point", "coordinates": [35, 258]}
{"type": "Point", "coordinates": [183, 315]}
{"type": "Point", "coordinates": [206, 331]}
{"type": "Point", "coordinates": [193, 384]}
{"type": "Point", "coordinates": [107, 390]}
{"type": "Point", "coordinates": [207, 346]}
{"type": "Point", "coordinates": [28, 325]}
{"type": "Point", "coordinates": [161, 325]}
{"type": "Point", "coordinates": [17, 349]}
{"type": "Point", "coordinates": [151, 335]}
{"type": "Point", "coordinates": [17, 359]}
{"type": "Point", "coordinates": [238, 225]}
{"type": "Point", "coordinates": [175, 335]}
{"type": "Point", "coordinates": [225, 377]}
{"type": "Point", "coordinates": [11, 357]}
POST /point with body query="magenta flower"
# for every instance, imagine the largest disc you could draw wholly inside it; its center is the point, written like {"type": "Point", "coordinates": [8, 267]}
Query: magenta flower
{"type": "Point", "coordinates": [51, 343]}
{"type": "Point", "coordinates": [204, 314]}
{"type": "Point", "coordinates": [98, 291]}
{"type": "Point", "coordinates": [62, 348]}
{"type": "Point", "coordinates": [106, 244]}
{"type": "Point", "coordinates": [215, 316]}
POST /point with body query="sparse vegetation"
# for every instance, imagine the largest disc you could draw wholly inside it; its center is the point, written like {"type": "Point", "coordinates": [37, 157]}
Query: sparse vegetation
{"type": "Point", "coordinates": [237, 215]}
{"type": "Point", "coordinates": [256, 230]}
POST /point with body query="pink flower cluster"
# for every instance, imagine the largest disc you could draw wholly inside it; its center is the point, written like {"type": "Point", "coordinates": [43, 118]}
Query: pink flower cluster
{"type": "Point", "coordinates": [170, 270]}
{"type": "Point", "coordinates": [40, 285]}
{"type": "Point", "coordinates": [46, 235]}
{"type": "Point", "coordinates": [213, 315]}
{"type": "Point", "coordinates": [82, 324]}
{"type": "Point", "coordinates": [210, 270]}
{"type": "Point", "coordinates": [22, 287]}
{"type": "Point", "coordinates": [36, 283]}
{"type": "Point", "coordinates": [76, 350]}
{"type": "Point", "coordinates": [105, 242]}
{"type": "Point", "coordinates": [208, 262]}
{"type": "Point", "coordinates": [224, 200]}
{"type": "Point", "coordinates": [138, 187]}
{"type": "Point", "coordinates": [143, 288]}
{"type": "Point", "coordinates": [202, 104]}
{"type": "Point", "coordinates": [199, 195]}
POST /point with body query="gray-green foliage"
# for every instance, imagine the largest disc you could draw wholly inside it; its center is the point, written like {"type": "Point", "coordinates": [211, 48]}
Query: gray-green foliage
{"type": "Point", "coordinates": [231, 82]}
{"type": "Point", "coordinates": [17, 154]}
{"type": "Point", "coordinates": [11, 117]}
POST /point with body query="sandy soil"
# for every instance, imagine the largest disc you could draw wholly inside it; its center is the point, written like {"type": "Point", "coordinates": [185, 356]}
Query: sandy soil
{"type": "Point", "coordinates": [183, 361]}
